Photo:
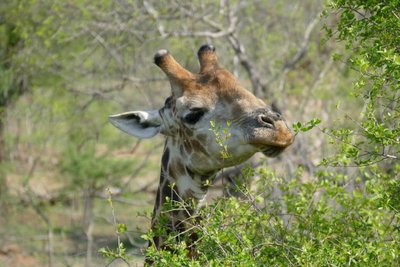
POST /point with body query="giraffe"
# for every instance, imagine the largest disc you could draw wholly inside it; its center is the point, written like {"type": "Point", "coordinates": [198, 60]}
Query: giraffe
{"type": "Point", "coordinates": [191, 157]}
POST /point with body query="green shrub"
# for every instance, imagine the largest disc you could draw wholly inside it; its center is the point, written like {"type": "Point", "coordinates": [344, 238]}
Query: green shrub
{"type": "Point", "coordinates": [286, 222]}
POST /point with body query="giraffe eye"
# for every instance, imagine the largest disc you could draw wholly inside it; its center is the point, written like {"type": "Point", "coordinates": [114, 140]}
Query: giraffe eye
{"type": "Point", "coordinates": [194, 116]}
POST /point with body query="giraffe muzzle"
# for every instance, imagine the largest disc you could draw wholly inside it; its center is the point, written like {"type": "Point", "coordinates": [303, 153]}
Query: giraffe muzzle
{"type": "Point", "coordinates": [272, 135]}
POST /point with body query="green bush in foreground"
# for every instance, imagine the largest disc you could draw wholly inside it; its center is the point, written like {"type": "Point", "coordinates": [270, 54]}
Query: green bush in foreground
{"type": "Point", "coordinates": [291, 223]}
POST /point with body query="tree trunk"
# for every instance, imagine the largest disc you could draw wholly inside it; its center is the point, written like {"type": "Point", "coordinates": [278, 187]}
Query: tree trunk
{"type": "Point", "coordinates": [3, 184]}
{"type": "Point", "coordinates": [88, 225]}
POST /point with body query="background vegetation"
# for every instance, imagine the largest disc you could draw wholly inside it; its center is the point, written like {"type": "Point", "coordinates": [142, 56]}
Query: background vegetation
{"type": "Point", "coordinates": [333, 68]}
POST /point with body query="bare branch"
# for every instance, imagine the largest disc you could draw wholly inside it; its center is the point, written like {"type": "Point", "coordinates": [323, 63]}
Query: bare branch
{"type": "Point", "coordinates": [300, 54]}
{"type": "Point", "coordinates": [259, 87]}
{"type": "Point", "coordinates": [111, 51]}
{"type": "Point", "coordinates": [303, 48]}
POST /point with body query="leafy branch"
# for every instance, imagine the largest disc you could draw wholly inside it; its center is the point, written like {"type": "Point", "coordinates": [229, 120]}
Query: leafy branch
{"type": "Point", "coordinates": [120, 228]}
{"type": "Point", "coordinates": [221, 137]}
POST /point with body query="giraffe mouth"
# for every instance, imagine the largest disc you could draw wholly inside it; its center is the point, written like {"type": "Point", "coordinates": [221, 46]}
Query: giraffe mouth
{"type": "Point", "coordinates": [273, 151]}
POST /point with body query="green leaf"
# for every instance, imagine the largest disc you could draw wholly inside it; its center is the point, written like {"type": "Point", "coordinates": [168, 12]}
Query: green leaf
{"type": "Point", "coordinates": [121, 228]}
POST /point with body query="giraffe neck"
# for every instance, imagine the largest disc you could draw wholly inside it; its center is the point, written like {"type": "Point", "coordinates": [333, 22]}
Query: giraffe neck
{"type": "Point", "coordinates": [180, 187]}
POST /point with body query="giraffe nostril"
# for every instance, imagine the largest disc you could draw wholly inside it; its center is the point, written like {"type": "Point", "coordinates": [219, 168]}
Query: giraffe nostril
{"type": "Point", "coordinates": [266, 121]}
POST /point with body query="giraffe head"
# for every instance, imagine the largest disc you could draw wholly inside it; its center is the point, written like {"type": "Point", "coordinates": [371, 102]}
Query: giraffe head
{"type": "Point", "coordinates": [213, 94]}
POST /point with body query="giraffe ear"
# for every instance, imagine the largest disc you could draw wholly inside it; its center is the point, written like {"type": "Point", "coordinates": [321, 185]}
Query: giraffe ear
{"type": "Point", "coordinates": [141, 124]}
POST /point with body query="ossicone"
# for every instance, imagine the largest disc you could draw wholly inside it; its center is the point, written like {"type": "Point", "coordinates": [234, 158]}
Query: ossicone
{"type": "Point", "coordinates": [176, 74]}
{"type": "Point", "coordinates": [207, 58]}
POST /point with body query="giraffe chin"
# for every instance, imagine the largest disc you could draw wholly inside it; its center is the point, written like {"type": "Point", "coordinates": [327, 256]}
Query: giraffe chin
{"type": "Point", "coordinates": [272, 151]}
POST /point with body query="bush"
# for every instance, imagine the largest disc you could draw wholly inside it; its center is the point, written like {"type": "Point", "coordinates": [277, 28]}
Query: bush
{"type": "Point", "coordinates": [285, 222]}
